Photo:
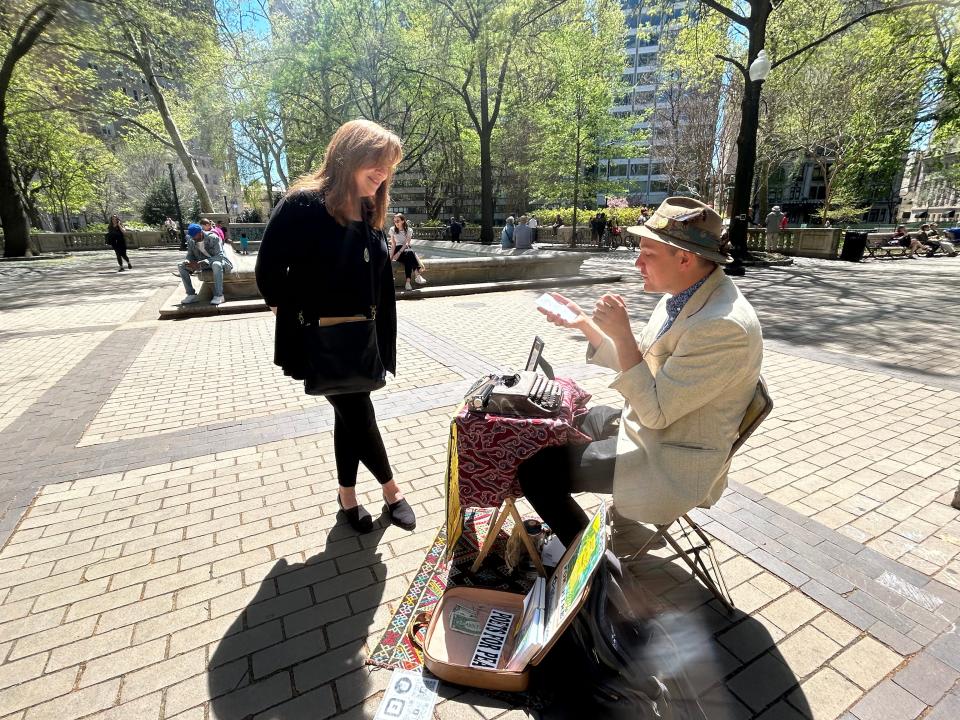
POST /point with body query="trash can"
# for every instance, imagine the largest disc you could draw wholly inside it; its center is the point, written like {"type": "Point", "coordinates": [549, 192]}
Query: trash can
{"type": "Point", "coordinates": [854, 243]}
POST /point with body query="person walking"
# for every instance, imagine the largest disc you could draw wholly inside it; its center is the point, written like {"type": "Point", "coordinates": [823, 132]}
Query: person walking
{"type": "Point", "coordinates": [455, 229]}
{"type": "Point", "coordinates": [324, 258]}
{"type": "Point", "coordinates": [244, 244]}
{"type": "Point", "coordinates": [401, 235]}
{"type": "Point", "coordinates": [117, 239]}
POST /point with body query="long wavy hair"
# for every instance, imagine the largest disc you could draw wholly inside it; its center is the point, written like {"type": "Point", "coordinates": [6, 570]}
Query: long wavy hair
{"type": "Point", "coordinates": [403, 222]}
{"type": "Point", "coordinates": [355, 145]}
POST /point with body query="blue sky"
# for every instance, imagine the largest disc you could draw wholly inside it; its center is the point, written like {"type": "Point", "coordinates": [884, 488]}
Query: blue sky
{"type": "Point", "coordinates": [251, 16]}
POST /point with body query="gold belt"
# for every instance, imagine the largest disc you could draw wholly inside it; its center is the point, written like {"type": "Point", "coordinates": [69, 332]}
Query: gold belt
{"type": "Point", "coordinates": [325, 321]}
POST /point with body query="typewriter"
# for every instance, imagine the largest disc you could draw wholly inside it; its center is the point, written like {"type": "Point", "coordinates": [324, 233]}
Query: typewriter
{"type": "Point", "coordinates": [526, 393]}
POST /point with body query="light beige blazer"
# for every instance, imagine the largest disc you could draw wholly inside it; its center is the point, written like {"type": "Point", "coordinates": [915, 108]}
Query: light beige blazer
{"type": "Point", "coordinates": [684, 402]}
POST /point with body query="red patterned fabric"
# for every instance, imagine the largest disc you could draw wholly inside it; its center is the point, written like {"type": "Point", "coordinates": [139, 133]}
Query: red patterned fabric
{"type": "Point", "coordinates": [490, 447]}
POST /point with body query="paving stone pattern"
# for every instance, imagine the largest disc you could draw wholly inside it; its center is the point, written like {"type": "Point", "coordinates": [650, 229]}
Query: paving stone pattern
{"type": "Point", "coordinates": [177, 555]}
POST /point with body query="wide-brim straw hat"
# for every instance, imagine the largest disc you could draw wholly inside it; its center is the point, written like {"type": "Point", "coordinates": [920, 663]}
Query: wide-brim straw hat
{"type": "Point", "coordinates": [687, 224]}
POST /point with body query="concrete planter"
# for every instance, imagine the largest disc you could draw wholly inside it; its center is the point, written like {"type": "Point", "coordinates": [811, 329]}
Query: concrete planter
{"type": "Point", "coordinates": [496, 268]}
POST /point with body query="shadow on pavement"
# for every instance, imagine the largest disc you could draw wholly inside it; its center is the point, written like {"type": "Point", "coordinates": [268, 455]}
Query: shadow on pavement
{"type": "Point", "coordinates": [708, 664]}
{"type": "Point", "coordinates": [304, 628]}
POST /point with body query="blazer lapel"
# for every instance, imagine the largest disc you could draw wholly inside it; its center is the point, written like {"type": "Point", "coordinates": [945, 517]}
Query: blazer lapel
{"type": "Point", "coordinates": [693, 306]}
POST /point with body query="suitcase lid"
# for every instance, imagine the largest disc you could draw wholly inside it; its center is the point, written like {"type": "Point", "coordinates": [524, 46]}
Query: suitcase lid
{"type": "Point", "coordinates": [569, 587]}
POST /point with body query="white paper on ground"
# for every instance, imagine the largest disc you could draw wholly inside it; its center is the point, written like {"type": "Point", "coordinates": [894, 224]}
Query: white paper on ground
{"type": "Point", "coordinates": [552, 551]}
{"type": "Point", "coordinates": [409, 696]}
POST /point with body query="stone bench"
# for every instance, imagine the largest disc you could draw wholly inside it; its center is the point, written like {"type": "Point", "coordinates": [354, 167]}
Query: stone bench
{"type": "Point", "coordinates": [498, 266]}
{"type": "Point", "coordinates": [504, 266]}
{"type": "Point", "coordinates": [239, 283]}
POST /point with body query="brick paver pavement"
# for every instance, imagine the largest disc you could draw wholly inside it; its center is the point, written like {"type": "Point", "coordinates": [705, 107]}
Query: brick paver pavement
{"type": "Point", "coordinates": [176, 552]}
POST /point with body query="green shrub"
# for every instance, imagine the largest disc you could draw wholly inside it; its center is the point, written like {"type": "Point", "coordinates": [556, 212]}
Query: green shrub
{"type": "Point", "coordinates": [158, 205]}
{"type": "Point", "coordinates": [625, 216]}
{"type": "Point", "coordinates": [250, 215]}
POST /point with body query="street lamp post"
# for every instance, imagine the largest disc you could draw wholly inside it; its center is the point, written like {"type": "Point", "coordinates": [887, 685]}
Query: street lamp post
{"type": "Point", "coordinates": [746, 157]}
{"type": "Point", "coordinates": [176, 202]}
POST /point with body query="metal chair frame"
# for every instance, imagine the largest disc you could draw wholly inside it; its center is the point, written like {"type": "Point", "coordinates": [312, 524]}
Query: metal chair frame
{"type": "Point", "coordinates": [757, 411]}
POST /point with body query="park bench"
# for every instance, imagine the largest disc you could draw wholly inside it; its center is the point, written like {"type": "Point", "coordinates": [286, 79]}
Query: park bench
{"type": "Point", "coordinates": [239, 283]}
{"type": "Point", "coordinates": [879, 242]}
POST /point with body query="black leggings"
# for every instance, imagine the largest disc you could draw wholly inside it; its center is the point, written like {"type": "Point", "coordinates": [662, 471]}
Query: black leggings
{"type": "Point", "coordinates": [410, 262]}
{"type": "Point", "coordinates": [356, 439]}
{"type": "Point", "coordinates": [121, 250]}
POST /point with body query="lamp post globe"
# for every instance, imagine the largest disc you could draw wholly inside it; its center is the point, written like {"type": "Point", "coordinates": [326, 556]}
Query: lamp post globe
{"type": "Point", "coordinates": [754, 76]}
{"type": "Point", "coordinates": [760, 67]}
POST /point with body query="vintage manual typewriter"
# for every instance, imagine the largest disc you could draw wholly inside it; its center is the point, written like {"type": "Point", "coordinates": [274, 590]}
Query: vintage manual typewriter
{"type": "Point", "coordinates": [526, 393]}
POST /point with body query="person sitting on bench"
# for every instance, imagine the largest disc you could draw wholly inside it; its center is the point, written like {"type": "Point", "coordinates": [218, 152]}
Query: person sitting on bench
{"type": "Point", "coordinates": [930, 239]}
{"type": "Point", "coordinates": [904, 239]}
{"type": "Point", "coordinates": [686, 383]}
{"type": "Point", "coordinates": [204, 251]}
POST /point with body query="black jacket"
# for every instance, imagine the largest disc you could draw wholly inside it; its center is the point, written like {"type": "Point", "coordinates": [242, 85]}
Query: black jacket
{"type": "Point", "coordinates": [308, 262]}
{"type": "Point", "coordinates": [115, 238]}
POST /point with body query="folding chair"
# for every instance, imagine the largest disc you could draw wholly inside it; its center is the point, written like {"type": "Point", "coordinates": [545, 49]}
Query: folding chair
{"type": "Point", "coordinates": [758, 409]}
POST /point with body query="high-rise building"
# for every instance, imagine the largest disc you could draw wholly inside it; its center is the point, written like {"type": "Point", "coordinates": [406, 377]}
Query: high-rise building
{"type": "Point", "coordinates": [646, 178]}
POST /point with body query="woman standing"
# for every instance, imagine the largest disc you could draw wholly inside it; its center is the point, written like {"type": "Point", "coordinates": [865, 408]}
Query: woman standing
{"type": "Point", "coordinates": [324, 257]}
{"type": "Point", "coordinates": [400, 250]}
{"type": "Point", "coordinates": [116, 238]}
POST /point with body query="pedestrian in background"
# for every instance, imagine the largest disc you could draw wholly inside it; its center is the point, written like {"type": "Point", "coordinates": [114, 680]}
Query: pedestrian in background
{"type": "Point", "coordinates": [401, 235]}
{"type": "Point", "coordinates": [117, 239]}
{"type": "Point", "coordinates": [506, 235]}
{"type": "Point", "coordinates": [774, 219]}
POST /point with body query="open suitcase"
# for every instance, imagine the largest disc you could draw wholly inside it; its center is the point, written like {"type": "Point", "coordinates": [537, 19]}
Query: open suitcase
{"type": "Point", "coordinates": [488, 638]}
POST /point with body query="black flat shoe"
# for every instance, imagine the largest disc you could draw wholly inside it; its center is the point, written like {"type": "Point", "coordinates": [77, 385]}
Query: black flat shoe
{"type": "Point", "coordinates": [401, 514]}
{"type": "Point", "coordinates": [359, 519]}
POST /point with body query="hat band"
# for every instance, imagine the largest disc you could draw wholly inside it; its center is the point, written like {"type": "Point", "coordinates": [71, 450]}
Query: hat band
{"type": "Point", "coordinates": [681, 231]}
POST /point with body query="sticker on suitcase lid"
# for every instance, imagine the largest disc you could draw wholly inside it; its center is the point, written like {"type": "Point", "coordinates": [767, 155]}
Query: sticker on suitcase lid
{"type": "Point", "coordinates": [492, 640]}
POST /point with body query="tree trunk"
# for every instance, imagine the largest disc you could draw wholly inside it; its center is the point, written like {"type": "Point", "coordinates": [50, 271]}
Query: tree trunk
{"type": "Point", "coordinates": [486, 189]}
{"type": "Point", "coordinates": [747, 139]}
{"type": "Point", "coordinates": [145, 63]}
{"type": "Point", "coordinates": [576, 186]}
{"type": "Point", "coordinates": [16, 228]}
{"type": "Point", "coordinates": [486, 162]}
{"type": "Point", "coordinates": [13, 219]}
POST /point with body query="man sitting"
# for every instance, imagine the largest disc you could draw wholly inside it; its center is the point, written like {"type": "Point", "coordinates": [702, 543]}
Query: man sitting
{"type": "Point", "coordinates": [204, 250]}
{"type": "Point", "coordinates": [686, 383]}
{"type": "Point", "coordinates": [930, 239]}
